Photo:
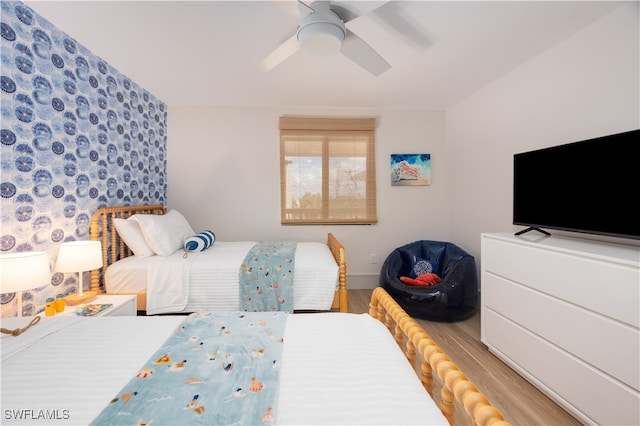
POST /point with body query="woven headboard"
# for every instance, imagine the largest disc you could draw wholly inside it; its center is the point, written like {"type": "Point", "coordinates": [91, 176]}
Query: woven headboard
{"type": "Point", "coordinates": [113, 248]}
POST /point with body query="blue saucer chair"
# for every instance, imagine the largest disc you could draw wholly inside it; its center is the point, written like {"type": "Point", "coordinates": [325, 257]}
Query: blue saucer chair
{"type": "Point", "coordinates": [454, 298]}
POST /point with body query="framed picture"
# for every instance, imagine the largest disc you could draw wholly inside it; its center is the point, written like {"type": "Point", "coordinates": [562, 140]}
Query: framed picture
{"type": "Point", "coordinates": [410, 169]}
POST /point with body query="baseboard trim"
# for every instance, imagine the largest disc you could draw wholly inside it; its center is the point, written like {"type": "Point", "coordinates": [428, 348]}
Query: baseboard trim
{"type": "Point", "coordinates": [362, 281]}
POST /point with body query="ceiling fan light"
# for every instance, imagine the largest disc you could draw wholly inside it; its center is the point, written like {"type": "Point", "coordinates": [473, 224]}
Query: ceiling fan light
{"type": "Point", "coordinates": [321, 38]}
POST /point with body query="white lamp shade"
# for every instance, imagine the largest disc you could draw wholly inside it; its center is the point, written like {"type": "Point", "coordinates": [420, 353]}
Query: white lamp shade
{"type": "Point", "coordinates": [79, 256]}
{"type": "Point", "coordinates": [24, 271]}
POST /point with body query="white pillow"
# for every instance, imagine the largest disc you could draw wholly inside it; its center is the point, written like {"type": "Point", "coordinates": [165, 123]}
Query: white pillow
{"type": "Point", "coordinates": [164, 233]}
{"type": "Point", "coordinates": [131, 233]}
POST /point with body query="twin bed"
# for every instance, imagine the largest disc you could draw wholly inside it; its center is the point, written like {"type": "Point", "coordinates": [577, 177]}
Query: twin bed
{"type": "Point", "coordinates": [334, 368]}
{"type": "Point", "coordinates": [233, 367]}
{"type": "Point", "coordinates": [212, 285]}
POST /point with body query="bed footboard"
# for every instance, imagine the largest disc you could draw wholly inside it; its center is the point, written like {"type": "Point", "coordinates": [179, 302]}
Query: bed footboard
{"type": "Point", "coordinates": [340, 300]}
{"type": "Point", "coordinates": [454, 385]}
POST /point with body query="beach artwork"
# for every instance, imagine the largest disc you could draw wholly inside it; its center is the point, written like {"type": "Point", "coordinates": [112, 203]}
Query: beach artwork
{"type": "Point", "coordinates": [410, 169]}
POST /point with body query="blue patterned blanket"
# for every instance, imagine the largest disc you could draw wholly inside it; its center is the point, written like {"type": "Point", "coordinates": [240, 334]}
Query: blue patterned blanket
{"type": "Point", "coordinates": [215, 369]}
{"type": "Point", "coordinates": [266, 277]}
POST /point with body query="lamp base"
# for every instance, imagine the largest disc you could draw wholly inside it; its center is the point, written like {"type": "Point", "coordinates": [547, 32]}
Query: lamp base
{"type": "Point", "coordinates": [75, 299]}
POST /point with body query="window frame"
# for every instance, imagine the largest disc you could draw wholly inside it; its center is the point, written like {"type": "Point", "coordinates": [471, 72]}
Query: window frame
{"type": "Point", "coordinates": [327, 131]}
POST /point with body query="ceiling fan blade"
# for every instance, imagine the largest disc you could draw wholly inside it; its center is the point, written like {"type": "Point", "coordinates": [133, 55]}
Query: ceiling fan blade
{"type": "Point", "coordinates": [285, 50]}
{"type": "Point", "coordinates": [395, 18]}
{"type": "Point", "coordinates": [350, 11]}
{"type": "Point", "coordinates": [291, 7]}
{"type": "Point", "coordinates": [304, 7]}
{"type": "Point", "coordinates": [362, 54]}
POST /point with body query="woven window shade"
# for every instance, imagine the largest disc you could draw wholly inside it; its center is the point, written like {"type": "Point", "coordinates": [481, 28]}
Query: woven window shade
{"type": "Point", "coordinates": [327, 171]}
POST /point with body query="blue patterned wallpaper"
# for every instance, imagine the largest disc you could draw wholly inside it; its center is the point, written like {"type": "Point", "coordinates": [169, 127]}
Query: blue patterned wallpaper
{"type": "Point", "coordinates": [76, 135]}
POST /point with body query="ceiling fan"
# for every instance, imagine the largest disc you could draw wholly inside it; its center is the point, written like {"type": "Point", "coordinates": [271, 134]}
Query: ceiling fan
{"type": "Point", "coordinates": [323, 30]}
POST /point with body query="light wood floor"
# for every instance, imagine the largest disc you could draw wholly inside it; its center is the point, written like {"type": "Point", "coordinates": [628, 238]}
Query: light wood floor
{"type": "Point", "coordinates": [518, 401]}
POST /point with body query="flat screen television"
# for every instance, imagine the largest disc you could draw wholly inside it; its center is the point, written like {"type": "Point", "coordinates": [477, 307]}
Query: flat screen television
{"type": "Point", "coordinates": [590, 186]}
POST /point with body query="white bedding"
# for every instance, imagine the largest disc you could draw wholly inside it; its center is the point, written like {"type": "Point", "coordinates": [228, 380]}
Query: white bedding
{"type": "Point", "coordinates": [213, 278]}
{"type": "Point", "coordinates": [336, 369]}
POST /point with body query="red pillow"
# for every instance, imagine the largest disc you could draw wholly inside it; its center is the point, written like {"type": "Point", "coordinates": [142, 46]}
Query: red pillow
{"type": "Point", "coordinates": [423, 280]}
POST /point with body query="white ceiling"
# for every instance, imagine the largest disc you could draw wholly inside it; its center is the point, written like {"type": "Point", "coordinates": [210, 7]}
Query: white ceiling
{"type": "Point", "coordinates": [208, 52]}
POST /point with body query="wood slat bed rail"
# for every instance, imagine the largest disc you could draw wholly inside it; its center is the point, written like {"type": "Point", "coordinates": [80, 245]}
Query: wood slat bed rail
{"type": "Point", "coordinates": [113, 248]}
{"type": "Point", "coordinates": [454, 385]}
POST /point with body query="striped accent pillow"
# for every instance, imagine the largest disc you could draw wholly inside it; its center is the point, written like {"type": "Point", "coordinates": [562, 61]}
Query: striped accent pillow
{"type": "Point", "coordinates": [199, 242]}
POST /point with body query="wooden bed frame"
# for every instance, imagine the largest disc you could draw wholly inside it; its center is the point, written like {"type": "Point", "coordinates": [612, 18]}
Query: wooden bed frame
{"type": "Point", "coordinates": [114, 249]}
{"type": "Point", "coordinates": [456, 391]}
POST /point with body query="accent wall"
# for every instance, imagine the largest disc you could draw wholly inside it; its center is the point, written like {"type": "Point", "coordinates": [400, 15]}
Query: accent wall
{"type": "Point", "coordinates": [76, 135]}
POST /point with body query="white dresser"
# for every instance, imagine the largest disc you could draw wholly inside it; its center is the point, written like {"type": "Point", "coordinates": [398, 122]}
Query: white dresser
{"type": "Point", "coordinates": [565, 314]}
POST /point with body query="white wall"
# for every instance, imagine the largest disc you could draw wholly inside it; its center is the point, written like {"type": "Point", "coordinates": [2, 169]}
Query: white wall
{"type": "Point", "coordinates": [584, 87]}
{"type": "Point", "coordinates": [223, 174]}
{"type": "Point", "coordinates": [223, 162]}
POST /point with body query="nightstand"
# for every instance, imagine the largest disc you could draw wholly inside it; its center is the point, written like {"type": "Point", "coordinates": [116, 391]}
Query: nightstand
{"type": "Point", "coordinates": [122, 305]}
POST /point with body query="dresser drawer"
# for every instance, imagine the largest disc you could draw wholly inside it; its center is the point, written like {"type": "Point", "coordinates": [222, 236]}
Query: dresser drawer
{"type": "Point", "coordinates": [577, 386]}
{"type": "Point", "coordinates": [596, 284]}
{"type": "Point", "coordinates": [584, 334]}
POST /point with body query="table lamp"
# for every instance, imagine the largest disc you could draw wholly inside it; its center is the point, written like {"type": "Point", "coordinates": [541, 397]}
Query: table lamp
{"type": "Point", "coordinates": [23, 271]}
{"type": "Point", "coordinates": [79, 256]}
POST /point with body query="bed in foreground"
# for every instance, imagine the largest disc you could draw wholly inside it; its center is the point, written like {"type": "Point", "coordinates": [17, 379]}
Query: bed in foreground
{"type": "Point", "coordinates": [212, 285]}
{"type": "Point", "coordinates": [334, 368]}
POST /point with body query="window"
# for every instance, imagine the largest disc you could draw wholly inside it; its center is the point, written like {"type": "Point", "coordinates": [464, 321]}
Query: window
{"type": "Point", "coordinates": [327, 171]}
